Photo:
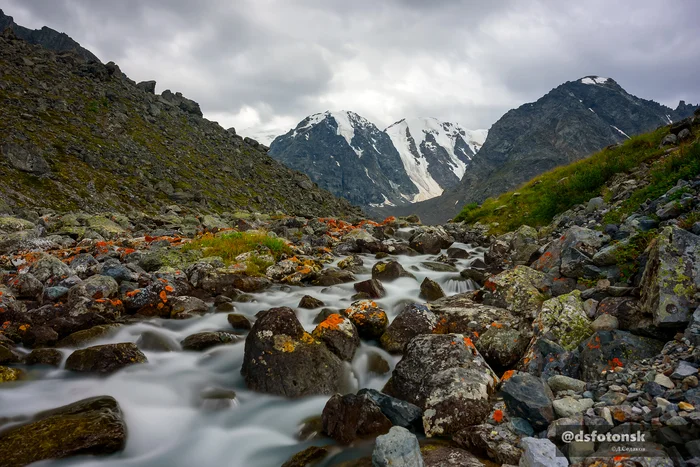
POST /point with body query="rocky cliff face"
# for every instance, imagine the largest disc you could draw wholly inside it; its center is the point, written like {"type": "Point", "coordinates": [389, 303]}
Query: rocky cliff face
{"type": "Point", "coordinates": [81, 135]}
{"type": "Point", "coordinates": [46, 37]}
{"type": "Point", "coordinates": [568, 123]}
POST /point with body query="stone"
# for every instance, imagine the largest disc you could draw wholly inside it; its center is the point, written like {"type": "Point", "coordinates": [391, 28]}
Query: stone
{"type": "Point", "coordinates": [462, 315]}
{"type": "Point", "coordinates": [527, 397]}
{"type": "Point", "coordinates": [605, 322]}
{"type": "Point", "coordinates": [50, 357]}
{"type": "Point", "coordinates": [431, 240]}
{"type": "Point", "coordinates": [86, 336]}
{"type": "Point", "coordinates": [586, 241]}
{"type": "Point", "coordinates": [684, 369]}
{"type": "Point", "coordinates": [664, 381]}
{"type": "Point", "coordinates": [431, 290]}
{"type": "Point", "coordinates": [105, 359]}
{"type": "Point", "coordinates": [349, 417]}
{"type": "Point", "coordinates": [399, 412]}
{"type": "Point", "coordinates": [564, 383]}
{"type": "Point", "coordinates": [496, 442]}
{"type": "Point", "coordinates": [389, 271]}
{"type": "Point", "coordinates": [606, 350]}
{"type": "Point", "coordinates": [370, 320]}
{"type": "Point", "coordinates": [445, 376]}
{"type": "Point", "coordinates": [26, 158]}
{"type": "Point", "coordinates": [541, 453]}
{"type": "Point", "coordinates": [502, 346]}
{"type": "Point", "coordinates": [672, 277]}
{"type": "Point", "coordinates": [49, 269]}
{"type": "Point", "coordinates": [96, 287]}
{"type": "Point", "coordinates": [568, 406]}
{"type": "Point", "coordinates": [339, 335]}
{"type": "Point", "coordinates": [91, 426]}
{"type": "Point", "coordinates": [414, 319]}
{"type": "Point", "coordinates": [398, 448]}
{"type": "Point", "coordinates": [147, 86]}
{"type": "Point", "coordinates": [520, 290]}
{"type": "Point", "coordinates": [372, 287]}
{"type": "Point", "coordinates": [187, 307]}
{"type": "Point", "coordinates": [155, 341]}
{"type": "Point", "coordinates": [308, 302]}
{"type": "Point", "coordinates": [444, 455]}
{"type": "Point", "coordinates": [307, 457]}
{"type": "Point", "coordinates": [239, 321]}
{"type": "Point", "coordinates": [595, 204]}
{"type": "Point", "coordinates": [281, 358]}
{"type": "Point", "coordinates": [206, 340]}
{"type": "Point", "coordinates": [563, 320]}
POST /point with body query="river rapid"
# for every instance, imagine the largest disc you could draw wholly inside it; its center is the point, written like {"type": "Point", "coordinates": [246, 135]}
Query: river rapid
{"type": "Point", "coordinates": [168, 424]}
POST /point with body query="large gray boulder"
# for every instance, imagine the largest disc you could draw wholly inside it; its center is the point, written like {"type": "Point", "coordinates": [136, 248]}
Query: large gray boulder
{"type": "Point", "coordinates": [446, 377]}
{"type": "Point", "coordinates": [521, 290]}
{"type": "Point", "coordinates": [398, 448]}
{"type": "Point", "coordinates": [671, 278]}
{"type": "Point", "coordinates": [541, 453]}
{"type": "Point", "coordinates": [526, 396]}
{"type": "Point", "coordinates": [570, 253]}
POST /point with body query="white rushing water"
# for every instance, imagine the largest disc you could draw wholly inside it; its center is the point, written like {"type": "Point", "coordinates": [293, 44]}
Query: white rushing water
{"type": "Point", "coordinates": [161, 400]}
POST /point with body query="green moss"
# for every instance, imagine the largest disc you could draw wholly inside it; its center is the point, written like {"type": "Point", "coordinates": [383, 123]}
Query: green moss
{"type": "Point", "coordinates": [231, 244]}
{"type": "Point", "coordinates": [627, 256]}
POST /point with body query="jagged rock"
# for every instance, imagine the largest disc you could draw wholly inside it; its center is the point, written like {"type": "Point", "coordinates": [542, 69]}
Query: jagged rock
{"type": "Point", "coordinates": [461, 314]}
{"type": "Point", "coordinates": [389, 271]}
{"type": "Point", "coordinates": [502, 346]}
{"type": "Point", "coordinates": [398, 448]}
{"type": "Point", "coordinates": [372, 287]}
{"type": "Point", "coordinates": [399, 412]}
{"type": "Point", "coordinates": [349, 417]}
{"type": "Point", "coordinates": [563, 320]}
{"type": "Point", "coordinates": [106, 358]}
{"type": "Point", "coordinates": [541, 453]}
{"type": "Point", "coordinates": [607, 350]}
{"type": "Point", "coordinates": [527, 397]}
{"type": "Point", "coordinates": [339, 335]}
{"type": "Point", "coordinates": [281, 358]}
{"type": "Point", "coordinates": [587, 242]}
{"type": "Point", "coordinates": [430, 290]}
{"type": "Point", "coordinates": [50, 269]}
{"type": "Point", "coordinates": [446, 377]}
{"type": "Point", "coordinates": [520, 290]}
{"type": "Point", "coordinates": [672, 277]}
{"type": "Point", "coordinates": [309, 302]}
{"type": "Point", "coordinates": [91, 426]}
{"type": "Point", "coordinates": [413, 320]}
{"type": "Point", "coordinates": [370, 320]}
{"type": "Point", "coordinates": [495, 442]}
{"type": "Point", "coordinates": [431, 241]}
{"type": "Point", "coordinates": [26, 158]}
{"type": "Point", "coordinates": [147, 86]}
{"type": "Point", "coordinates": [208, 339]}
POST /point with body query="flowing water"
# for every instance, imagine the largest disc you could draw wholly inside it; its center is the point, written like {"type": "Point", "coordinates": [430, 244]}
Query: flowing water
{"type": "Point", "coordinates": [161, 400]}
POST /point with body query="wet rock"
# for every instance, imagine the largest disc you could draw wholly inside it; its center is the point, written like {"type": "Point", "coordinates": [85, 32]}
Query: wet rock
{"type": "Point", "coordinates": [8, 374]}
{"type": "Point", "coordinates": [502, 346]}
{"type": "Point", "coordinates": [281, 358]}
{"type": "Point", "coordinates": [239, 321]}
{"type": "Point", "coordinates": [187, 307]}
{"type": "Point", "coordinates": [333, 276]}
{"type": "Point", "coordinates": [39, 336]}
{"type": "Point", "coordinates": [339, 335]}
{"type": "Point", "coordinates": [398, 448]}
{"type": "Point", "coordinates": [228, 282]}
{"type": "Point", "coordinates": [309, 456]}
{"type": "Point", "coordinates": [399, 412]}
{"type": "Point", "coordinates": [349, 417]}
{"type": "Point", "coordinates": [50, 357]}
{"type": "Point", "coordinates": [105, 359]}
{"type": "Point", "coordinates": [520, 290]}
{"type": "Point", "coordinates": [457, 253]}
{"type": "Point", "coordinates": [389, 271]}
{"type": "Point", "coordinates": [370, 320]}
{"type": "Point", "coordinates": [672, 277]}
{"type": "Point", "coordinates": [527, 397]}
{"type": "Point", "coordinates": [607, 350]}
{"type": "Point", "coordinates": [431, 290]}
{"type": "Point", "coordinates": [372, 287]}
{"type": "Point", "coordinates": [80, 338]}
{"type": "Point", "coordinates": [92, 426]}
{"type": "Point", "coordinates": [541, 453]}
{"type": "Point", "coordinates": [437, 266]}
{"type": "Point", "coordinates": [157, 342]}
{"type": "Point", "coordinates": [431, 241]}
{"type": "Point", "coordinates": [309, 302]}
{"type": "Point", "coordinates": [563, 320]}
{"type": "Point", "coordinates": [446, 377]}
{"type": "Point", "coordinates": [8, 355]}
{"type": "Point", "coordinates": [413, 320]}
{"type": "Point", "coordinates": [208, 339]}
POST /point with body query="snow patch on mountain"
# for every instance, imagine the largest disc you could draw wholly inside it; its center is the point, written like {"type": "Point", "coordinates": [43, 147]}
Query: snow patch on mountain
{"type": "Point", "coordinates": [594, 80]}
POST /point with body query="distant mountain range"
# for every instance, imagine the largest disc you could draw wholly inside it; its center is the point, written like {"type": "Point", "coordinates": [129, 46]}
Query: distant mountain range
{"type": "Point", "coordinates": [412, 160]}
{"type": "Point", "coordinates": [570, 122]}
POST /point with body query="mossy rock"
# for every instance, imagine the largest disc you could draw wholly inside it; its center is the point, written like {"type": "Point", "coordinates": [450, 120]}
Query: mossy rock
{"type": "Point", "coordinates": [105, 227]}
{"type": "Point", "coordinates": [13, 224]}
{"type": "Point", "coordinates": [565, 319]}
{"type": "Point", "coordinates": [91, 426]}
{"type": "Point", "coordinates": [307, 457]}
{"type": "Point", "coordinates": [8, 375]}
{"type": "Point", "coordinates": [80, 338]}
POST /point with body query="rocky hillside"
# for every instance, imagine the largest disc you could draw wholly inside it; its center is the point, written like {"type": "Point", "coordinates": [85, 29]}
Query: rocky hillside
{"type": "Point", "coordinates": [412, 160]}
{"type": "Point", "coordinates": [81, 135]}
{"type": "Point", "coordinates": [568, 123]}
{"type": "Point", "coordinates": [46, 37]}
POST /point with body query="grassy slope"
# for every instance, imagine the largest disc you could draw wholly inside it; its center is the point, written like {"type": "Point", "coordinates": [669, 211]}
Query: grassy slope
{"type": "Point", "coordinates": [539, 200]}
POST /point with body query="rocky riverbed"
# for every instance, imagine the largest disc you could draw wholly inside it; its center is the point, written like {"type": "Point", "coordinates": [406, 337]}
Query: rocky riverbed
{"type": "Point", "coordinates": [126, 341]}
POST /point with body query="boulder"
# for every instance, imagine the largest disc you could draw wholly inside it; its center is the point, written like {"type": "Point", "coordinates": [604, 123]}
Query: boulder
{"type": "Point", "coordinates": [93, 426]}
{"type": "Point", "coordinates": [370, 320]}
{"type": "Point", "coordinates": [147, 86]}
{"type": "Point", "coordinates": [372, 287]}
{"type": "Point", "coordinates": [568, 406]}
{"type": "Point", "coordinates": [97, 287]}
{"type": "Point", "coordinates": [339, 335]}
{"type": "Point", "coordinates": [105, 359]}
{"type": "Point", "coordinates": [606, 350]}
{"type": "Point", "coordinates": [541, 453]}
{"type": "Point", "coordinates": [26, 158]}
{"type": "Point", "coordinates": [413, 320]}
{"type": "Point", "coordinates": [208, 339]}
{"type": "Point", "coordinates": [446, 377]}
{"type": "Point", "coordinates": [564, 383]}
{"type": "Point", "coordinates": [308, 302]}
{"type": "Point", "coordinates": [563, 320]}
{"type": "Point", "coordinates": [49, 269]}
{"type": "Point", "coordinates": [586, 241]}
{"type": "Point", "coordinates": [498, 443]}
{"type": "Point", "coordinates": [521, 290]}
{"type": "Point", "coordinates": [49, 357]}
{"type": "Point", "coordinates": [389, 271]}
{"type": "Point", "coordinates": [349, 417]}
{"type": "Point", "coordinates": [430, 290]}
{"type": "Point", "coordinates": [239, 321]}
{"type": "Point", "coordinates": [461, 314]}
{"type": "Point", "coordinates": [526, 396]}
{"type": "Point", "coordinates": [398, 448]}
{"type": "Point", "coordinates": [80, 338]}
{"type": "Point", "coordinates": [281, 358]}
{"type": "Point", "coordinates": [671, 277]}
{"type": "Point", "coordinates": [502, 346]}
{"type": "Point", "coordinates": [399, 412]}
{"type": "Point", "coordinates": [308, 457]}
{"type": "Point", "coordinates": [431, 240]}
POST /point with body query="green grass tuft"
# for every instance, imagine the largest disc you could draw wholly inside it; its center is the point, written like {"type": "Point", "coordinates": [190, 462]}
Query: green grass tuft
{"type": "Point", "coordinates": [231, 244]}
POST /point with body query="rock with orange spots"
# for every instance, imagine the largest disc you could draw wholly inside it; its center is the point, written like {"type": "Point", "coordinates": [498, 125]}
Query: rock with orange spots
{"type": "Point", "coordinates": [49, 269]}
{"type": "Point", "coordinates": [152, 300]}
{"type": "Point", "coordinates": [521, 290]}
{"type": "Point", "coordinates": [350, 417]}
{"type": "Point", "coordinates": [413, 320]}
{"type": "Point", "coordinates": [34, 337]}
{"type": "Point", "coordinates": [106, 358]}
{"type": "Point", "coordinates": [339, 335]}
{"type": "Point", "coordinates": [97, 287]}
{"type": "Point", "coordinates": [448, 379]}
{"type": "Point", "coordinates": [575, 241]}
{"type": "Point", "coordinates": [461, 314]}
{"type": "Point", "coordinates": [281, 358]}
{"type": "Point", "coordinates": [606, 350]}
{"type": "Point", "coordinates": [223, 281]}
{"type": "Point", "coordinates": [546, 358]}
{"type": "Point", "coordinates": [26, 286]}
{"type": "Point", "coordinates": [370, 320]}
{"type": "Point", "coordinates": [372, 287]}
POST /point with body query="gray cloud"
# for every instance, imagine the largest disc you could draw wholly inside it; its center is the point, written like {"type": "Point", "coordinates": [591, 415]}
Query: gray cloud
{"type": "Point", "coordinates": [269, 63]}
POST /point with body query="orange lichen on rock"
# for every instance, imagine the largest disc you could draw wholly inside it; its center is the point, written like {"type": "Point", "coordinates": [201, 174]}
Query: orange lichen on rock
{"type": "Point", "coordinates": [133, 293]}
{"type": "Point", "coordinates": [498, 415]}
{"type": "Point", "coordinates": [163, 296]}
{"type": "Point", "coordinates": [332, 322]}
{"type": "Point", "coordinates": [507, 375]}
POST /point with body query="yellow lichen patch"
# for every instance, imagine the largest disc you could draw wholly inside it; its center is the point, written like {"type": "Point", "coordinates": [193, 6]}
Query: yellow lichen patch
{"type": "Point", "coordinates": [307, 338]}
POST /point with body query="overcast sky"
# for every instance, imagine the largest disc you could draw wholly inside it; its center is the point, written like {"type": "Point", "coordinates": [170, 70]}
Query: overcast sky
{"type": "Point", "coordinates": [269, 63]}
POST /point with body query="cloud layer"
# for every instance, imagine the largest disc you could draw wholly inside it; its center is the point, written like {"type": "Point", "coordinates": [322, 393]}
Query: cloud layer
{"type": "Point", "coordinates": [269, 63]}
